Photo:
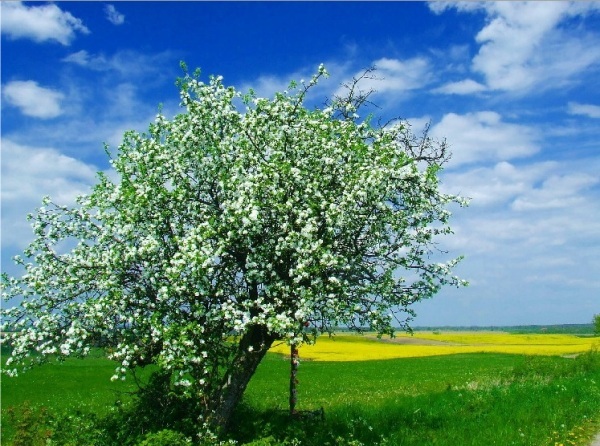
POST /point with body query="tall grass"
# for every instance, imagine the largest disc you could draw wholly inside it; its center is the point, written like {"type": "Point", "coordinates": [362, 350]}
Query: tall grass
{"type": "Point", "coordinates": [454, 400]}
{"type": "Point", "coordinates": [470, 399]}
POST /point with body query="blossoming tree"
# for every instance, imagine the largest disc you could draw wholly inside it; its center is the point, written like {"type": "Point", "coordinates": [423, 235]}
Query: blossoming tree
{"type": "Point", "coordinates": [239, 222]}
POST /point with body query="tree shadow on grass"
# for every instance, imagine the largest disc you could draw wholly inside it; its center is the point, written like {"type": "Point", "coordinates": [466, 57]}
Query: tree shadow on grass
{"type": "Point", "coordinates": [351, 425]}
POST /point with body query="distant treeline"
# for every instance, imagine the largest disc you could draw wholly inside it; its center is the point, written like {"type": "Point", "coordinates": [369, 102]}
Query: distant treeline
{"type": "Point", "coordinates": [556, 329]}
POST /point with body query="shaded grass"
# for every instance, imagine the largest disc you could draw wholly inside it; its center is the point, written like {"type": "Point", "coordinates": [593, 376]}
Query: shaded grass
{"type": "Point", "coordinates": [481, 399]}
{"type": "Point", "coordinates": [471, 399]}
{"type": "Point", "coordinates": [74, 387]}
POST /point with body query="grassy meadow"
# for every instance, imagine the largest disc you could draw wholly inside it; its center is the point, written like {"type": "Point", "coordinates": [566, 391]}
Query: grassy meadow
{"type": "Point", "coordinates": [484, 389]}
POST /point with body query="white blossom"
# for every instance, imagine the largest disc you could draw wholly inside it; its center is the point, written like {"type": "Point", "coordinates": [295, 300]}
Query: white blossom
{"type": "Point", "coordinates": [228, 224]}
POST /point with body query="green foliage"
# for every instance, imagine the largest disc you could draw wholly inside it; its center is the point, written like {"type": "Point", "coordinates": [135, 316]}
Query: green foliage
{"type": "Point", "coordinates": [31, 426]}
{"type": "Point", "coordinates": [165, 437]}
{"type": "Point", "coordinates": [239, 221]}
{"type": "Point", "coordinates": [596, 323]}
{"type": "Point", "coordinates": [545, 368]}
{"type": "Point", "coordinates": [155, 407]}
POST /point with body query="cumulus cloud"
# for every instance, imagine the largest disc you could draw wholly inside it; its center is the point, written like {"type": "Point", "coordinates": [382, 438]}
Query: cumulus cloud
{"type": "Point", "coordinates": [391, 79]}
{"type": "Point", "coordinates": [401, 75]}
{"type": "Point", "coordinates": [114, 16]}
{"type": "Point", "coordinates": [484, 136]}
{"type": "Point", "coordinates": [530, 232]}
{"type": "Point", "coordinates": [33, 100]}
{"type": "Point", "coordinates": [28, 172]}
{"type": "Point", "coordinates": [496, 185]}
{"type": "Point", "coordinates": [40, 23]}
{"type": "Point", "coordinates": [589, 110]}
{"type": "Point", "coordinates": [524, 45]}
{"type": "Point", "coordinates": [529, 187]}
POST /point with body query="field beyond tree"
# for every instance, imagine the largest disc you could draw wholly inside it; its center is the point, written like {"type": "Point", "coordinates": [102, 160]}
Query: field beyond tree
{"type": "Point", "coordinates": [350, 347]}
{"type": "Point", "coordinates": [478, 398]}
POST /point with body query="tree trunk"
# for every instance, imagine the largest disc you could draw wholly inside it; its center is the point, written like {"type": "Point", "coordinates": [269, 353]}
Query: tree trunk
{"type": "Point", "coordinates": [293, 378]}
{"type": "Point", "coordinates": [252, 349]}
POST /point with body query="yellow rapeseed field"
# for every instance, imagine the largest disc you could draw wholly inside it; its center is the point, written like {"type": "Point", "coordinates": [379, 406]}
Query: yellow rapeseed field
{"type": "Point", "coordinates": [352, 347]}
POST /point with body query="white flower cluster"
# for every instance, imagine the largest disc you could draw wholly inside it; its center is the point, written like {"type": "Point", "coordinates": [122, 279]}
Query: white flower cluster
{"type": "Point", "coordinates": [275, 218]}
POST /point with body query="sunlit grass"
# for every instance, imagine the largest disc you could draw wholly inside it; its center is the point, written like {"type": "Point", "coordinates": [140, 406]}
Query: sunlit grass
{"type": "Point", "coordinates": [467, 400]}
{"type": "Point", "coordinates": [446, 400]}
{"type": "Point", "coordinates": [349, 347]}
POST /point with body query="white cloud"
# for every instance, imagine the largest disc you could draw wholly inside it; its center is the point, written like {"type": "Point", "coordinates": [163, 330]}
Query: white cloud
{"type": "Point", "coordinates": [438, 7]}
{"type": "Point", "coordinates": [39, 23]}
{"type": "Point", "coordinates": [557, 192]}
{"type": "Point", "coordinates": [28, 173]}
{"type": "Point", "coordinates": [529, 232]}
{"type": "Point", "coordinates": [395, 76]}
{"type": "Point", "coordinates": [523, 44]}
{"type": "Point", "coordinates": [267, 84]}
{"type": "Point", "coordinates": [467, 86]}
{"type": "Point", "coordinates": [418, 125]}
{"type": "Point", "coordinates": [114, 16]}
{"type": "Point", "coordinates": [83, 58]}
{"type": "Point", "coordinates": [529, 235]}
{"type": "Point", "coordinates": [515, 237]}
{"type": "Point", "coordinates": [531, 187]}
{"type": "Point", "coordinates": [483, 136]}
{"type": "Point", "coordinates": [391, 79]}
{"type": "Point", "coordinates": [84, 130]}
{"type": "Point", "coordinates": [514, 44]}
{"type": "Point", "coordinates": [398, 75]}
{"type": "Point", "coordinates": [105, 109]}
{"type": "Point", "coordinates": [589, 110]}
{"type": "Point", "coordinates": [495, 185]}
{"type": "Point", "coordinates": [127, 63]}
{"type": "Point", "coordinates": [33, 100]}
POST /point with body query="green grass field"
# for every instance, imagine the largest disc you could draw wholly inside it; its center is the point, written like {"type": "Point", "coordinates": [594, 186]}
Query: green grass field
{"type": "Point", "coordinates": [462, 399]}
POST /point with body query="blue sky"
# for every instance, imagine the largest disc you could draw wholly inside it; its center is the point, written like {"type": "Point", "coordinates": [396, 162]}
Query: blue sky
{"type": "Point", "coordinates": [512, 86]}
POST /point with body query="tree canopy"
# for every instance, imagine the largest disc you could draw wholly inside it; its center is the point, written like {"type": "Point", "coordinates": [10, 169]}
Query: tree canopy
{"type": "Point", "coordinates": [241, 221]}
